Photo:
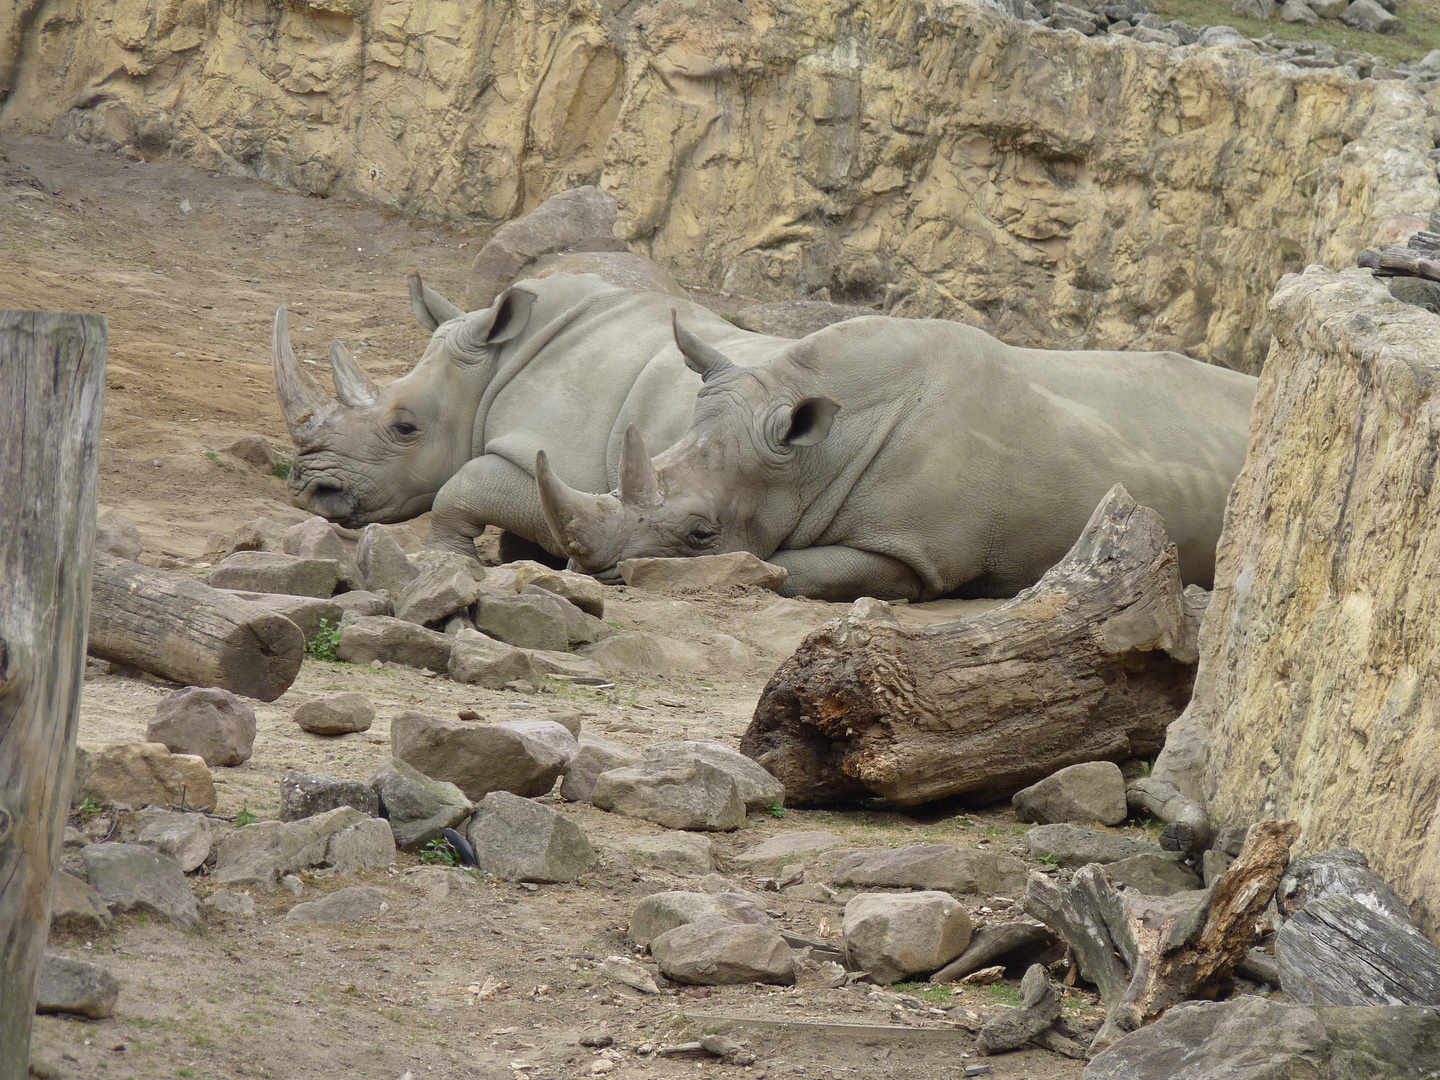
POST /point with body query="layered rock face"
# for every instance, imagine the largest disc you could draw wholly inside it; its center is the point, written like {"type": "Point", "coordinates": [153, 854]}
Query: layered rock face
{"type": "Point", "coordinates": [933, 157]}
{"type": "Point", "coordinates": [1318, 674]}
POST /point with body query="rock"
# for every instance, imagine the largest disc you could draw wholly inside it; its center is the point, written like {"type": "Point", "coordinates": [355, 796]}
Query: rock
{"type": "Point", "coordinates": [1253, 9]}
{"type": "Point", "coordinates": [275, 572]}
{"type": "Point", "coordinates": [1158, 874]}
{"type": "Point", "coordinates": [772, 856]}
{"type": "Point", "coordinates": [562, 222]}
{"type": "Point", "coordinates": [141, 774]}
{"type": "Point", "coordinates": [623, 268]}
{"type": "Point", "coordinates": [228, 903]}
{"type": "Point", "coordinates": [304, 795]}
{"type": "Point", "coordinates": [418, 808]}
{"type": "Point", "coordinates": [436, 594]}
{"type": "Point", "coordinates": [1039, 1009]}
{"type": "Point", "coordinates": [895, 936]}
{"type": "Point", "coordinates": [65, 985]}
{"type": "Point", "coordinates": [1355, 752]}
{"type": "Point", "coordinates": [519, 840]}
{"type": "Point", "coordinates": [262, 534]}
{"type": "Point", "coordinates": [131, 877]}
{"type": "Point", "coordinates": [382, 562]}
{"type": "Point", "coordinates": [1011, 944]}
{"type": "Point", "coordinates": [1370, 17]}
{"type": "Point", "coordinates": [623, 970]}
{"type": "Point", "coordinates": [567, 665]}
{"type": "Point", "coordinates": [310, 613]}
{"type": "Point", "coordinates": [1093, 791]}
{"type": "Point", "coordinates": [636, 651]}
{"type": "Point", "coordinates": [701, 572]}
{"type": "Point", "coordinates": [1070, 845]}
{"type": "Point", "coordinates": [363, 604]}
{"type": "Point", "coordinates": [523, 757]}
{"type": "Point", "coordinates": [941, 867]}
{"type": "Point", "coordinates": [1261, 1039]}
{"type": "Point", "coordinates": [595, 756]}
{"type": "Point", "coordinates": [582, 590]}
{"type": "Point", "coordinates": [364, 639]}
{"type": "Point", "coordinates": [348, 905]}
{"type": "Point", "coordinates": [717, 952]}
{"type": "Point", "coordinates": [796, 318]}
{"type": "Point", "coordinates": [687, 794]}
{"type": "Point", "coordinates": [186, 839]}
{"type": "Point", "coordinates": [255, 451]}
{"type": "Point", "coordinates": [525, 621]}
{"type": "Point", "coordinates": [664, 911]}
{"type": "Point", "coordinates": [580, 628]}
{"type": "Point", "coordinates": [1224, 35]}
{"type": "Point", "coordinates": [315, 538]}
{"type": "Point", "coordinates": [1298, 12]}
{"type": "Point", "coordinates": [265, 851]}
{"type": "Point", "coordinates": [335, 714]}
{"type": "Point", "coordinates": [1213, 864]}
{"type": "Point", "coordinates": [683, 854]}
{"type": "Point", "coordinates": [365, 845]}
{"type": "Point", "coordinates": [1427, 67]}
{"type": "Point", "coordinates": [479, 660]}
{"type": "Point", "coordinates": [76, 906]}
{"type": "Point", "coordinates": [1146, 35]}
{"type": "Point", "coordinates": [758, 789]}
{"type": "Point", "coordinates": [206, 721]}
{"type": "Point", "coordinates": [117, 535]}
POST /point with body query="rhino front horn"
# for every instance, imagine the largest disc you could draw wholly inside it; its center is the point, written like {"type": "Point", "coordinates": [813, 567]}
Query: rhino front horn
{"type": "Point", "coordinates": [581, 523]}
{"type": "Point", "coordinates": [302, 399]}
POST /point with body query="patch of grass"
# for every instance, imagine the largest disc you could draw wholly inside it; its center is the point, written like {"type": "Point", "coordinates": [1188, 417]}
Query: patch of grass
{"type": "Point", "coordinates": [439, 851]}
{"type": "Point", "coordinates": [934, 993]}
{"type": "Point", "coordinates": [1421, 19]}
{"type": "Point", "coordinates": [212, 455]}
{"type": "Point", "coordinates": [245, 817]}
{"type": "Point", "coordinates": [88, 807]}
{"type": "Point", "coordinates": [322, 645]}
{"type": "Point", "coordinates": [1001, 994]}
{"type": "Point", "coordinates": [775, 810]}
{"type": "Point", "coordinates": [283, 467]}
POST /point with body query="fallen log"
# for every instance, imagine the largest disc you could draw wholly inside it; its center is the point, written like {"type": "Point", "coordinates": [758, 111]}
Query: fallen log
{"type": "Point", "coordinates": [1145, 954]}
{"type": "Point", "coordinates": [1337, 951]}
{"type": "Point", "coordinates": [187, 632]}
{"type": "Point", "coordinates": [1090, 664]}
{"type": "Point", "coordinates": [52, 394]}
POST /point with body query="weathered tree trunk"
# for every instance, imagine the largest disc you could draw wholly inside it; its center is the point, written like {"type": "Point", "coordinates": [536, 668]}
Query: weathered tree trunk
{"type": "Point", "coordinates": [1336, 951]}
{"type": "Point", "coordinates": [1089, 664]}
{"type": "Point", "coordinates": [187, 632]}
{"type": "Point", "coordinates": [52, 393]}
{"type": "Point", "coordinates": [1144, 954]}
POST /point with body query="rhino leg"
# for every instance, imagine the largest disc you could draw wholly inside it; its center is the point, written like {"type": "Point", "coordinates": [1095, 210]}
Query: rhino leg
{"type": "Point", "coordinates": [488, 490]}
{"type": "Point", "coordinates": [843, 573]}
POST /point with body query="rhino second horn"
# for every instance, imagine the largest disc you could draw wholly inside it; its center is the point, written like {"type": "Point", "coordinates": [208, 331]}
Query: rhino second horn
{"type": "Point", "coordinates": [302, 399]}
{"type": "Point", "coordinates": [352, 386]}
{"type": "Point", "coordinates": [639, 486]}
{"type": "Point", "coordinates": [581, 523]}
{"type": "Point", "coordinates": [705, 360]}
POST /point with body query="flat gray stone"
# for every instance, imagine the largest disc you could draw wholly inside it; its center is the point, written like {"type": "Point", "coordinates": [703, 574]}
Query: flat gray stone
{"type": "Point", "coordinates": [275, 572]}
{"type": "Point", "coordinates": [265, 851]}
{"type": "Point", "coordinates": [636, 651]}
{"type": "Point", "coordinates": [1155, 874]}
{"type": "Point", "coordinates": [239, 905]}
{"type": "Point", "coordinates": [419, 809]}
{"type": "Point", "coordinates": [206, 721]}
{"type": "Point", "coordinates": [758, 789]}
{"type": "Point", "coordinates": [366, 845]}
{"type": "Point", "coordinates": [132, 877]}
{"type": "Point", "coordinates": [316, 538]}
{"type": "Point", "coordinates": [896, 936]}
{"type": "Point", "coordinates": [718, 952]}
{"type": "Point", "coordinates": [1082, 794]}
{"type": "Point", "coordinates": [65, 985]}
{"type": "Point", "coordinates": [77, 906]}
{"type": "Point", "coordinates": [184, 838]}
{"type": "Point", "coordinates": [565, 664]}
{"type": "Point", "coordinates": [582, 590]}
{"type": "Point", "coordinates": [595, 756]}
{"type": "Point", "coordinates": [382, 561]}
{"type": "Point", "coordinates": [304, 795]}
{"type": "Point", "coordinates": [797, 848]}
{"type": "Point", "coordinates": [436, 594]}
{"type": "Point", "coordinates": [524, 621]}
{"type": "Point", "coordinates": [366, 638]}
{"type": "Point", "coordinates": [336, 714]}
{"type": "Point", "coordinates": [517, 839]}
{"type": "Point", "coordinates": [1073, 846]}
{"type": "Point", "coordinates": [580, 628]}
{"type": "Point", "coordinates": [942, 867]}
{"type": "Point", "coordinates": [688, 794]}
{"type": "Point", "coordinates": [348, 905]}
{"type": "Point", "coordinates": [701, 572]}
{"type": "Point", "coordinates": [360, 604]}
{"type": "Point", "coordinates": [664, 911]}
{"type": "Point", "coordinates": [680, 853]}
{"type": "Point", "coordinates": [479, 660]}
{"type": "Point", "coordinates": [523, 757]}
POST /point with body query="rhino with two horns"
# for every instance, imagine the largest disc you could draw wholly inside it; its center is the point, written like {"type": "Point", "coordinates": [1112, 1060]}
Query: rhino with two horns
{"type": "Point", "coordinates": [956, 461]}
{"type": "Point", "coordinates": [565, 362]}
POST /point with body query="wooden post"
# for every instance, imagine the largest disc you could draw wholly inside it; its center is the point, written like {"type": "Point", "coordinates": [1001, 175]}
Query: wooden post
{"type": "Point", "coordinates": [52, 393]}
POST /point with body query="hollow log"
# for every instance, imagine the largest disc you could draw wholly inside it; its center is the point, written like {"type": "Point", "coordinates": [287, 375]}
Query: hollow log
{"type": "Point", "coordinates": [189, 633]}
{"type": "Point", "coordinates": [1089, 664]}
{"type": "Point", "coordinates": [1144, 953]}
{"type": "Point", "coordinates": [52, 393]}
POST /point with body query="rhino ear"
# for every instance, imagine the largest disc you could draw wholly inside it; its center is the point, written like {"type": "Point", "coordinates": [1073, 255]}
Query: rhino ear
{"type": "Point", "coordinates": [810, 420]}
{"type": "Point", "coordinates": [703, 359]}
{"type": "Point", "coordinates": [512, 315]}
{"type": "Point", "coordinates": [431, 309]}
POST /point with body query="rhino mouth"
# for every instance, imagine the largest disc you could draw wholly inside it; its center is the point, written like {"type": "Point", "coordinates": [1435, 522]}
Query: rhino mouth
{"type": "Point", "coordinates": [330, 501]}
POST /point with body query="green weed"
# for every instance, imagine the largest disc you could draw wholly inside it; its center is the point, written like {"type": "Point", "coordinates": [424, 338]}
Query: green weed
{"type": "Point", "coordinates": [322, 645]}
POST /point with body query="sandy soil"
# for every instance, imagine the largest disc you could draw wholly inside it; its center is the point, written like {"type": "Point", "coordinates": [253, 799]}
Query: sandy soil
{"type": "Point", "coordinates": [462, 976]}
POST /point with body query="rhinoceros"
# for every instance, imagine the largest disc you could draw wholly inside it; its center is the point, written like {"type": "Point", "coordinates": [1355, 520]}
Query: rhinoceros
{"type": "Point", "coordinates": [956, 461]}
{"type": "Point", "coordinates": [566, 362]}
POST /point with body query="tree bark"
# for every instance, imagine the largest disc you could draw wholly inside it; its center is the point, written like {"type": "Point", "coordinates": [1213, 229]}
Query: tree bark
{"type": "Point", "coordinates": [1336, 951]}
{"type": "Point", "coordinates": [189, 633]}
{"type": "Point", "coordinates": [52, 394]}
{"type": "Point", "coordinates": [1089, 664]}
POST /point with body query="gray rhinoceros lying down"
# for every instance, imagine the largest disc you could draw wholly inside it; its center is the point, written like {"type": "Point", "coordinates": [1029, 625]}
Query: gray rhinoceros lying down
{"type": "Point", "coordinates": [565, 363]}
{"type": "Point", "coordinates": [956, 461]}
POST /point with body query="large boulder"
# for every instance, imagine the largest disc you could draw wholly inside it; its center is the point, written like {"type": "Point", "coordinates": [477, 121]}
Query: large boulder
{"type": "Point", "coordinates": [570, 219]}
{"type": "Point", "coordinates": [684, 794]}
{"type": "Point", "coordinates": [1083, 794]}
{"type": "Point", "coordinates": [275, 572]}
{"type": "Point", "coordinates": [418, 808]}
{"type": "Point", "coordinates": [718, 952]}
{"type": "Point", "coordinates": [132, 877]}
{"type": "Point", "coordinates": [206, 721]}
{"type": "Point", "coordinates": [895, 936]}
{"type": "Point", "coordinates": [264, 851]}
{"type": "Point", "coordinates": [141, 774]}
{"type": "Point", "coordinates": [342, 713]}
{"type": "Point", "coordinates": [758, 789]}
{"type": "Point", "coordinates": [367, 638]}
{"type": "Point", "coordinates": [523, 757]}
{"type": "Point", "coordinates": [522, 840]}
{"type": "Point", "coordinates": [942, 867]}
{"type": "Point", "coordinates": [1314, 683]}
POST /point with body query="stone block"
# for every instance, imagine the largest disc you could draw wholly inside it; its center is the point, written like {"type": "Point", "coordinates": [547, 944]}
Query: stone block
{"type": "Point", "coordinates": [207, 722]}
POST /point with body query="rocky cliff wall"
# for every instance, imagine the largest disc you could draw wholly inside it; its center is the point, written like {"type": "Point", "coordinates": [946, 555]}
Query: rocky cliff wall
{"type": "Point", "coordinates": [1319, 677]}
{"type": "Point", "coordinates": [934, 157]}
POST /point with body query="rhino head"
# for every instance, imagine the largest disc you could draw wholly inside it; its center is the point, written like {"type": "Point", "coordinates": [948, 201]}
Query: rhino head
{"type": "Point", "coordinates": [730, 484]}
{"type": "Point", "coordinates": [379, 455]}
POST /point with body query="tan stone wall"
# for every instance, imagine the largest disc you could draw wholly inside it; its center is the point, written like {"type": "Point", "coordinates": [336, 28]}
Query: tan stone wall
{"type": "Point", "coordinates": [929, 155]}
{"type": "Point", "coordinates": [1320, 647]}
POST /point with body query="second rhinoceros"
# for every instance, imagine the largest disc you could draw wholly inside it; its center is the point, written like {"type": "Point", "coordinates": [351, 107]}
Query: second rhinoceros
{"type": "Point", "coordinates": [956, 460]}
{"type": "Point", "coordinates": [567, 363]}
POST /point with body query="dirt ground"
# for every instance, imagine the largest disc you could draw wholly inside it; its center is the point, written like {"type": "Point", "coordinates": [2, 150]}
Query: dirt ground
{"type": "Point", "coordinates": [462, 976]}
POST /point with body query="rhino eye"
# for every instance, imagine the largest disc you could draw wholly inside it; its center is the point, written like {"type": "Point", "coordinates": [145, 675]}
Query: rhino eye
{"type": "Point", "coordinates": [403, 428]}
{"type": "Point", "coordinates": [701, 535]}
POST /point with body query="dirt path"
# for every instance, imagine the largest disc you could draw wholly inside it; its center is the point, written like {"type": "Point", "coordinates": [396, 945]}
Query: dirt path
{"type": "Point", "coordinates": [460, 977]}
